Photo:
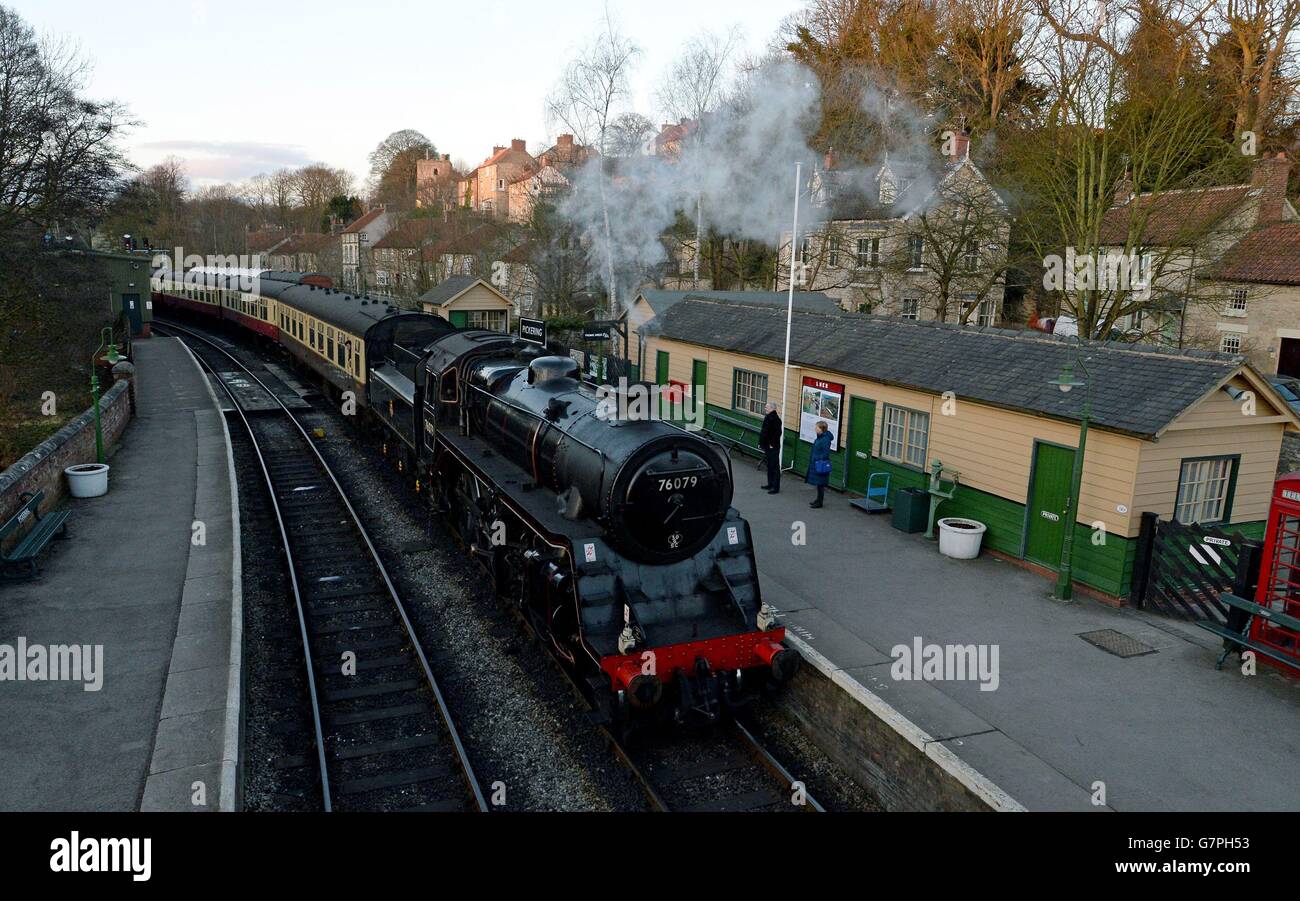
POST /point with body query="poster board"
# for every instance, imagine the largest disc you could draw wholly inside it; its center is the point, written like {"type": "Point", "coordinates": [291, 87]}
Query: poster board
{"type": "Point", "coordinates": [818, 400]}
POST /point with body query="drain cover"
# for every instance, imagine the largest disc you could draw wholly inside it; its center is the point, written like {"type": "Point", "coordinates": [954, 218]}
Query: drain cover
{"type": "Point", "coordinates": [1117, 643]}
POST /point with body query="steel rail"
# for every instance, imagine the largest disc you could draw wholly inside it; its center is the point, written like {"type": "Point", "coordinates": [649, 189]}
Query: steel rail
{"type": "Point", "coordinates": [462, 756]}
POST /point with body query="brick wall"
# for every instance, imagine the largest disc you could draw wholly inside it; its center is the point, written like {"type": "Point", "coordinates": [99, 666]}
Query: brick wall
{"type": "Point", "coordinates": [41, 469]}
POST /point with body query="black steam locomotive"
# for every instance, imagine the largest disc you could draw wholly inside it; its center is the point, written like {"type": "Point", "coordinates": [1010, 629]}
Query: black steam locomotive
{"type": "Point", "coordinates": [615, 538]}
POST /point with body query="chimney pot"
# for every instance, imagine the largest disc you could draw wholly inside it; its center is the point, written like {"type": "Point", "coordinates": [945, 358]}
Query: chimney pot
{"type": "Point", "coordinates": [1270, 175]}
{"type": "Point", "coordinates": [516, 144]}
{"type": "Point", "coordinates": [960, 146]}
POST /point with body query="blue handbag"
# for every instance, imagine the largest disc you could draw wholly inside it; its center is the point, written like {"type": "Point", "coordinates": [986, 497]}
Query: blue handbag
{"type": "Point", "coordinates": [822, 467]}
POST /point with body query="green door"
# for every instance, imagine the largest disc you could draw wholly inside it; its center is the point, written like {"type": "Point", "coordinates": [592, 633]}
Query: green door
{"type": "Point", "coordinates": [457, 318]}
{"type": "Point", "coordinates": [699, 379]}
{"type": "Point", "coordinates": [131, 303]}
{"type": "Point", "coordinates": [862, 422]}
{"type": "Point", "coordinates": [1049, 494]}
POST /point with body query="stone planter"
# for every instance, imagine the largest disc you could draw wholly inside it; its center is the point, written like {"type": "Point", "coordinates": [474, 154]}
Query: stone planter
{"type": "Point", "coordinates": [960, 538]}
{"type": "Point", "coordinates": [87, 479]}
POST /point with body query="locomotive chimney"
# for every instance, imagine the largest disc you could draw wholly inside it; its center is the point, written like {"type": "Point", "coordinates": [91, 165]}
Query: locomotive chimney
{"type": "Point", "coordinates": [548, 369]}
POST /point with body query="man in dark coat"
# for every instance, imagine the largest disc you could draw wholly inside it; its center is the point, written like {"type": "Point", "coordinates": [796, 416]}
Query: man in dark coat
{"type": "Point", "coordinates": [769, 441]}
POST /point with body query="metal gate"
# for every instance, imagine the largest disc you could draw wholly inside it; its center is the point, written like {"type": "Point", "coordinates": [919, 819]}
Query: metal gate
{"type": "Point", "coordinates": [1181, 570]}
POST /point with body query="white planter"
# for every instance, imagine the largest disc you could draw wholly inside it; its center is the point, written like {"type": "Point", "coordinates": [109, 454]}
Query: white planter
{"type": "Point", "coordinates": [87, 479]}
{"type": "Point", "coordinates": [960, 538]}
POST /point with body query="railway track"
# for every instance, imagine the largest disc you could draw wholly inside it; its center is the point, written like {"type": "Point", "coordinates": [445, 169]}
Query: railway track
{"type": "Point", "coordinates": [725, 769]}
{"type": "Point", "coordinates": [383, 735]}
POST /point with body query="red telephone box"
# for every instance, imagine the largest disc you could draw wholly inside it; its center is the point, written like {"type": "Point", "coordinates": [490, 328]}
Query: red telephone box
{"type": "Point", "coordinates": [1279, 573]}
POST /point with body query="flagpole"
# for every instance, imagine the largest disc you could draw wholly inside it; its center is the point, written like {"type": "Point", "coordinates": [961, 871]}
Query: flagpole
{"type": "Point", "coordinates": [789, 316]}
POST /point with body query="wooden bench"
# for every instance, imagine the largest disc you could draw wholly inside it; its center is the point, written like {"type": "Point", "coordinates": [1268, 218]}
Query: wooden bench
{"type": "Point", "coordinates": [1236, 641]}
{"type": "Point", "coordinates": [24, 553]}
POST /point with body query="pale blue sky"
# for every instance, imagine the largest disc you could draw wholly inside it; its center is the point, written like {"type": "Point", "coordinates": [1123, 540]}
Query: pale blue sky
{"type": "Point", "coordinates": [236, 87]}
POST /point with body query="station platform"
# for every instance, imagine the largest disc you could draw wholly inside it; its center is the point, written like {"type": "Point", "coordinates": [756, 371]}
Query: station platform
{"type": "Point", "coordinates": [161, 732]}
{"type": "Point", "coordinates": [1162, 731]}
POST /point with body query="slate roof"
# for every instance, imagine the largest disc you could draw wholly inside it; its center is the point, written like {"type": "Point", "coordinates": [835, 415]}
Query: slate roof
{"type": "Point", "coordinates": [1269, 255]}
{"type": "Point", "coordinates": [660, 301]}
{"type": "Point", "coordinates": [447, 289]}
{"type": "Point", "coordinates": [1135, 390]}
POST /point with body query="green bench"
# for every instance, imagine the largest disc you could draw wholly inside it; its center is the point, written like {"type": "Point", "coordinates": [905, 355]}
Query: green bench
{"type": "Point", "coordinates": [734, 442]}
{"type": "Point", "coordinates": [1234, 642]}
{"type": "Point", "coordinates": [24, 553]}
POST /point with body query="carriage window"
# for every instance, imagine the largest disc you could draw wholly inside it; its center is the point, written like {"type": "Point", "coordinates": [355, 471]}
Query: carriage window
{"type": "Point", "coordinates": [1205, 490]}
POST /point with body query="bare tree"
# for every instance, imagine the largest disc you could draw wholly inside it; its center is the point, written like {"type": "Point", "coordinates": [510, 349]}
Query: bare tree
{"type": "Point", "coordinates": [586, 101]}
{"type": "Point", "coordinates": [691, 90]}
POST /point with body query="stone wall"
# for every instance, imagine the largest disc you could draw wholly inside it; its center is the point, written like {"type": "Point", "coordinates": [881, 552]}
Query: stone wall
{"type": "Point", "coordinates": [882, 750]}
{"type": "Point", "coordinates": [41, 469]}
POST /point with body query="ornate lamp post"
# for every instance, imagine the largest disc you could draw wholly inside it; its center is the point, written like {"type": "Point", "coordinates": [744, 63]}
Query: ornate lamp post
{"type": "Point", "coordinates": [112, 357]}
{"type": "Point", "coordinates": [1067, 382]}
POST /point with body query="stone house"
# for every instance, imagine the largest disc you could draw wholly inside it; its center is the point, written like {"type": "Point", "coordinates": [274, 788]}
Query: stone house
{"type": "Point", "coordinates": [1220, 265]}
{"type": "Point", "coordinates": [925, 241]}
{"type": "Point", "coordinates": [486, 189]}
{"type": "Point", "coordinates": [435, 182]}
{"type": "Point", "coordinates": [529, 187]}
{"type": "Point", "coordinates": [357, 240]}
{"type": "Point", "coordinates": [305, 252]}
{"type": "Point", "coordinates": [400, 270]}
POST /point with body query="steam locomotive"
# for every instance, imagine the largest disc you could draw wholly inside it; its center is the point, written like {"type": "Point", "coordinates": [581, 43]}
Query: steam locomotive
{"type": "Point", "coordinates": [614, 537]}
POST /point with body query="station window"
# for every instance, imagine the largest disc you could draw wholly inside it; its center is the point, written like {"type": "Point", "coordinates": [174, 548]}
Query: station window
{"type": "Point", "coordinates": [494, 320]}
{"type": "Point", "coordinates": [1205, 490]}
{"type": "Point", "coordinates": [749, 391]}
{"type": "Point", "coordinates": [905, 435]}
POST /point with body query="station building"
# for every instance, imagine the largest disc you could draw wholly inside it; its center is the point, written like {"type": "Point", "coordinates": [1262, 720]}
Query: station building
{"type": "Point", "coordinates": [469, 302]}
{"type": "Point", "coordinates": [1170, 432]}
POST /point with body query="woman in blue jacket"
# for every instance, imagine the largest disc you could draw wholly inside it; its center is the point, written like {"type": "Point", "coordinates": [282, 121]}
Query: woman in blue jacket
{"type": "Point", "coordinates": [819, 467]}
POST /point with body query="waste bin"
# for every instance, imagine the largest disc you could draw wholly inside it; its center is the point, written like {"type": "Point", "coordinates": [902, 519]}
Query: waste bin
{"type": "Point", "coordinates": [911, 509]}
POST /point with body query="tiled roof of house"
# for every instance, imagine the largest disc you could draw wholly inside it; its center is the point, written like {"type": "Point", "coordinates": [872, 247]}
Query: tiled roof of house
{"type": "Point", "coordinates": [309, 242]}
{"type": "Point", "coordinates": [409, 235]}
{"type": "Point", "coordinates": [364, 220]}
{"type": "Point", "coordinates": [265, 241]}
{"type": "Point", "coordinates": [1173, 217]}
{"type": "Point", "coordinates": [1133, 389]}
{"type": "Point", "coordinates": [1269, 255]}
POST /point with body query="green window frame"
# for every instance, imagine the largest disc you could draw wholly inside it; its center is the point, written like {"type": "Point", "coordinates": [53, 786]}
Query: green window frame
{"type": "Point", "coordinates": [904, 436]}
{"type": "Point", "coordinates": [1206, 487]}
